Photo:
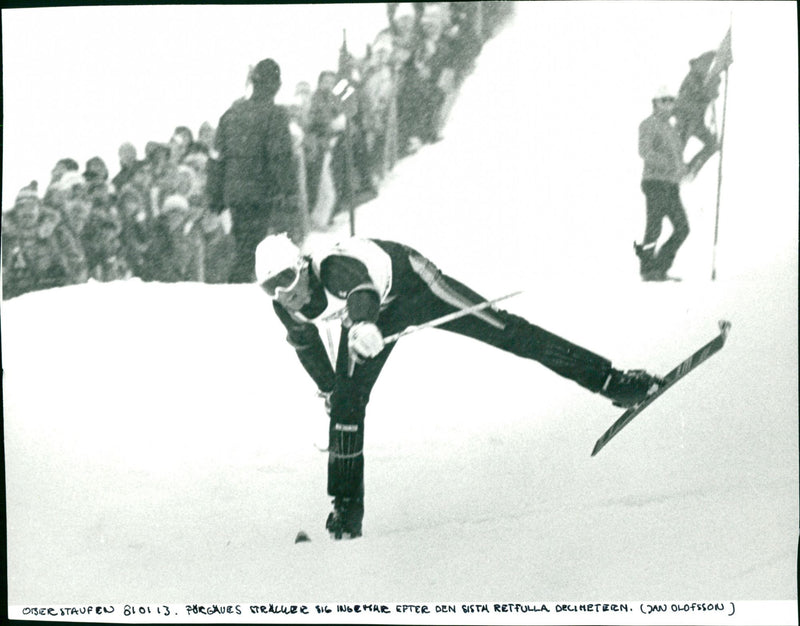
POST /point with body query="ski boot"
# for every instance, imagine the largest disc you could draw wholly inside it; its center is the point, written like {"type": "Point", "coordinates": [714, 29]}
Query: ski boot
{"type": "Point", "coordinates": [345, 519]}
{"type": "Point", "coordinates": [627, 389]}
{"type": "Point", "coordinates": [648, 269]}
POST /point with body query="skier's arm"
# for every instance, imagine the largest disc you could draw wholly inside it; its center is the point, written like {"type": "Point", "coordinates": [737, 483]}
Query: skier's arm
{"type": "Point", "coordinates": [304, 338]}
{"type": "Point", "coordinates": [348, 278]}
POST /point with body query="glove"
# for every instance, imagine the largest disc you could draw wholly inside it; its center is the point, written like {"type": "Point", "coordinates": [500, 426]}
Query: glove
{"type": "Point", "coordinates": [365, 340]}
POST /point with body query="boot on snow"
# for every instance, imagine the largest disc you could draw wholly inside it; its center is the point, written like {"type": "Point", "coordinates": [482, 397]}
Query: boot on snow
{"type": "Point", "coordinates": [345, 519]}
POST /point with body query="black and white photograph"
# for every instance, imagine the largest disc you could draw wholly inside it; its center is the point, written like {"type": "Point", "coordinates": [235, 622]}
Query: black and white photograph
{"type": "Point", "coordinates": [572, 225]}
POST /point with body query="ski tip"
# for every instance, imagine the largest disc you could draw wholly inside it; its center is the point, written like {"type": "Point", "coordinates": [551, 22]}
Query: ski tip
{"type": "Point", "coordinates": [302, 537]}
{"type": "Point", "coordinates": [724, 327]}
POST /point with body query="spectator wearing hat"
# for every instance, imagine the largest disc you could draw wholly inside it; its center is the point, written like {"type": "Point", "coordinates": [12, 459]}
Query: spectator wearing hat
{"type": "Point", "coordinates": [177, 252]}
{"type": "Point", "coordinates": [100, 236]}
{"type": "Point", "coordinates": [38, 251]}
{"type": "Point", "coordinates": [325, 156]}
{"type": "Point", "coordinates": [182, 138]}
{"type": "Point", "coordinates": [98, 186]}
{"type": "Point", "coordinates": [127, 161]}
{"type": "Point", "coordinates": [160, 170]}
{"type": "Point", "coordinates": [105, 256]}
{"type": "Point", "coordinates": [70, 197]}
{"type": "Point", "coordinates": [205, 136]}
{"type": "Point", "coordinates": [61, 167]}
{"type": "Point", "coordinates": [218, 243]}
{"type": "Point", "coordinates": [136, 230]}
{"type": "Point", "coordinates": [255, 176]}
{"type": "Point", "coordinates": [197, 158]}
{"type": "Point", "coordinates": [465, 35]}
{"type": "Point", "coordinates": [661, 149]}
{"type": "Point", "coordinates": [141, 183]}
{"type": "Point", "coordinates": [381, 110]}
{"type": "Point", "coordinates": [433, 78]}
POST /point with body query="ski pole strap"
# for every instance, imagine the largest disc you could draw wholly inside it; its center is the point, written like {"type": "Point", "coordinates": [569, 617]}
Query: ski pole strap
{"type": "Point", "coordinates": [449, 317]}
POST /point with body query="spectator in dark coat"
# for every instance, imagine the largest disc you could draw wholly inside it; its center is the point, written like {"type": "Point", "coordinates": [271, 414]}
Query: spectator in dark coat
{"type": "Point", "coordinates": [161, 173]}
{"type": "Point", "coordinates": [325, 156]}
{"type": "Point", "coordinates": [177, 251]}
{"type": "Point", "coordinates": [61, 167]}
{"type": "Point", "coordinates": [98, 186]}
{"type": "Point", "coordinates": [179, 143]}
{"type": "Point", "coordinates": [127, 161]}
{"type": "Point", "coordinates": [136, 232]}
{"type": "Point", "coordinates": [38, 251]}
{"type": "Point", "coordinates": [205, 136]}
{"type": "Point", "coordinates": [104, 252]}
{"type": "Point", "coordinates": [255, 175]}
{"type": "Point", "coordinates": [71, 199]}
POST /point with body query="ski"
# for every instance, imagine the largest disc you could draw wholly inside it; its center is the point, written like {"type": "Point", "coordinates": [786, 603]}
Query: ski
{"type": "Point", "coordinates": [686, 366]}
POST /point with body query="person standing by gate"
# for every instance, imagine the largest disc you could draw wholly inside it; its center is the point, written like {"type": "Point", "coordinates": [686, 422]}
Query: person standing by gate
{"type": "Point", "coordinates": [661, 149]}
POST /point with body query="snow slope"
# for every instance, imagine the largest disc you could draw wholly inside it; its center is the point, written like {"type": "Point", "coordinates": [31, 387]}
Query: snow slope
{"type": "Point", "coordinates": [160, 438]}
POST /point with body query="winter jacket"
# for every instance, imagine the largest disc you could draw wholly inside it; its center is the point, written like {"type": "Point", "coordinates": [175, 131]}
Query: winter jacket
{"type": "Point", "coordinates": [41, 256]}
{"type": "Point", "coordinates": [660, 147]}
{"type": "Point", "coordinates": [255, 164]}
{"type": "Point", "coordinates": [101, 239]}
{"type": "Point", "coordinates": [177, 253]}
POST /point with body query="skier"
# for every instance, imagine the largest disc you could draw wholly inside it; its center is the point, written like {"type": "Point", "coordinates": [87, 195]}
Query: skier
{"type": "Point", "coordinates": [377, 288]}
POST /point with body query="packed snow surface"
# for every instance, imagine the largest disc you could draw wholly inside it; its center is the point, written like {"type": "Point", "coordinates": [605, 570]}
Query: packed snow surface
{"type": "Point", "coordinates": [160, 440]}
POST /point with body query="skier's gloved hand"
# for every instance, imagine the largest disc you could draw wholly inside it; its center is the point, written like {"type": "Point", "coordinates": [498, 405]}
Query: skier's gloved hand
{"type": "Point", "coordinates": [365, 340]}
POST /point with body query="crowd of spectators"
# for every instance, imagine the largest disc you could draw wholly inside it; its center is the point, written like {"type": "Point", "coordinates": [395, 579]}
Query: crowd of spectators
{"type": "Point", "coordinates": [158, 219]}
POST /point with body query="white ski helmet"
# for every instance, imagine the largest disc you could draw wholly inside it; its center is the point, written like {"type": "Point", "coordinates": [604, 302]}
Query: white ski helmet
{"type": "Point", "coordinates": [275, 254]}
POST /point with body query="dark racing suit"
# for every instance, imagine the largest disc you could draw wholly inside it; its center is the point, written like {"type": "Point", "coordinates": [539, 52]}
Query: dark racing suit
{"type": "Point", "coordinates": [394, 287]}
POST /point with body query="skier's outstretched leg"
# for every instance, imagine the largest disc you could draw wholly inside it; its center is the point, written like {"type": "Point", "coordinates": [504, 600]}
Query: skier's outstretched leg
{"type": "Point", "coordinates": [516, 335]}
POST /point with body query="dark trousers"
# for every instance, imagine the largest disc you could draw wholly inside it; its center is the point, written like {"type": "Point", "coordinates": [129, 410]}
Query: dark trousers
{"type": "Point", "coordinates": [663, 201]}
{"type": "Point", "coordinates": [249, 229]}
{"type": "Point", "coordinates": [253, 222]}
{"type": "Point", "coordinates": [494, 327]}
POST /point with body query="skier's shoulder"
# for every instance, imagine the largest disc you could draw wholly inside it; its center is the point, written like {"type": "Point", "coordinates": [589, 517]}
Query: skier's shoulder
{"type": "Point", "coordinates": [350, 262]}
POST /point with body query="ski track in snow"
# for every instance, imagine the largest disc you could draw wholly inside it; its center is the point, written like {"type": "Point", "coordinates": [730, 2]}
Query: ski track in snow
{"type": "Point", "coordinates": [159, 438]}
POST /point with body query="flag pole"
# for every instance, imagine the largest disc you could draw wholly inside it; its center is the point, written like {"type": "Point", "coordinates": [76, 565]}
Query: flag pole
{"type": "Point", "coordinates": [719, 169]}
{"type": "Point", "coordinates": [719, 180]}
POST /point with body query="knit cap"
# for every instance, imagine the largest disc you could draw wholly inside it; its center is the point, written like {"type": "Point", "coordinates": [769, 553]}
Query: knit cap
{"type": "Point", "coordinates": [28, 192]}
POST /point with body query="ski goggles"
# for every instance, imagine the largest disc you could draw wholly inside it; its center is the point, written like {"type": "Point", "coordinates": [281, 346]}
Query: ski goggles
{"type": "Point", "coordinates": [282, 281]}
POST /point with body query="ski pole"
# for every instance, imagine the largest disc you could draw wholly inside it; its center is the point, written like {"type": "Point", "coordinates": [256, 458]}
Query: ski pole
{"type": "Point", "coordinates": [449, 317]}
{"type": "Point", "coordinates": [437, 322]}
